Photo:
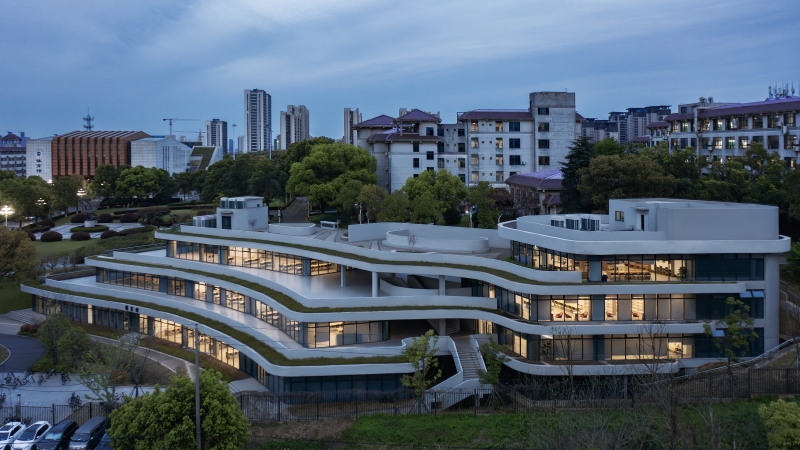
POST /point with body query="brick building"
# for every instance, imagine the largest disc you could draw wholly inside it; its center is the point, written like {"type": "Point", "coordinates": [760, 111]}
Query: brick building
{"type": "Point", "coordinates": [80, 152]}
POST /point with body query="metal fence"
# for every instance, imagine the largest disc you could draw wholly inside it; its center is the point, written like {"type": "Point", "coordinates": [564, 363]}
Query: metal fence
{"type": "Point", "coordinates": [603, 392]}
{"type": "Point", "coordinates": [52, 414]}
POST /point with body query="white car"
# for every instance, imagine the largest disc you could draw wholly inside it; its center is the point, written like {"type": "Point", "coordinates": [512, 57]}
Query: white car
{"type": "Point", "coordinates": [31, 436]}
{"type": "Point", "coordinates": [9, 433]}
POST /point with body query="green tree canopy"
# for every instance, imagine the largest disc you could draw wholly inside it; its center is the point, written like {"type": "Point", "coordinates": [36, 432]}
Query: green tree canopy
{"type": "Point", "coordinates": [22, 194]}
{"type": "Point", "coordinates": [371, 199]}
{"type": "Point", "coordinates": [626, 176]}
{"type": "Point", "coordinates": [782, 421]}
{"type": "Point", "coordinates": [395, 208]}
{"type": "Point", "coordinates": [139, 182]}
{"type": "Point", "coordinates": [481, 197]}
{"type": "Point", "coordinates": [322, 174]}
{"type": "Point", "coordinates": [266, 180]}
{"type": "Point", "coordinates": [580, 155]}
{"type": "Point", "coordinates": [104, 183]}
{"type": "Point", "coordinates": [65, 191]}
{"type": "Point", "coordinates": [348, 196]}
{"type": "Point", "coordinates": [17, 255]}
{"type": "Point", "coordinates": [166, 419]}
{"type": "Point", "coordinates": [425, 208]}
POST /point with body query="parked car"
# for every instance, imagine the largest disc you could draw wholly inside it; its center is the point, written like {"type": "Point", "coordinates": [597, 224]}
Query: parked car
{"type": "Point", "coordinates": [58, 437]}
{"type": "Point", "coordinates": [9, 433]}
{"type": "Point", "coordinates": [32, 435]}
{"type": "Point", "coordinates": [105, 443]}
{"type": "Point", "coordinates": [88, 435]}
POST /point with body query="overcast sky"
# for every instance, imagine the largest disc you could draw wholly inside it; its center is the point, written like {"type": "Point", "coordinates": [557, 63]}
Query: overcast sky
{"type": "Point", "coordinates": [136, 62]}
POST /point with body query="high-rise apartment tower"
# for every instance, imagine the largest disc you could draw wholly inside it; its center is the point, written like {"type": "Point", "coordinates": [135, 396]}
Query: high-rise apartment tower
{"type": "Point", "coordinates": [258, 121]}
{"type": "Point", "coordinates": [294, 125]}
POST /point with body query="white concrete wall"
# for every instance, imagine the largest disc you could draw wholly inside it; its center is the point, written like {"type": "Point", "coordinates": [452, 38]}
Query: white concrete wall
{"type": "Point", "coordinates": [292, 229]}
{"type": "Point", "coordinates": [240, 218]}
{"type": "Point", "coordinates": [378, 230]}
{"type": "Point", "coordinates": [39, 149]}
{"type": "Point", "coordinates": [404, 239]}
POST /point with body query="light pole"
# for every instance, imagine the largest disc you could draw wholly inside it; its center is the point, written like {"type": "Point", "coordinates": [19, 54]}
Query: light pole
{"type": "Point", "coordinates": [197, 386]}
{"type": "Point", "coordinates": [81, 193]}
{"type": "Point", "coordinates": [6, 211]}
{"type": "Point", "coordinates": [358, 205]}
{"type": "Point", "coordinates": [41, 203]}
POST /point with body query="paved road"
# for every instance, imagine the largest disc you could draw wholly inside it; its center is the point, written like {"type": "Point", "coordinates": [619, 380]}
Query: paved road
{"type": "Point", "coordinates": [25, 352]}
{"type": "Point", "coordinates": [296, 212]}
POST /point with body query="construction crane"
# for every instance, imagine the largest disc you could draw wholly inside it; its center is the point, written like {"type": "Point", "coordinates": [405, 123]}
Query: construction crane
{"type": "Point", "coordinates": [199, 132]}
{"type": "Point", "coordinates": [173, 119]}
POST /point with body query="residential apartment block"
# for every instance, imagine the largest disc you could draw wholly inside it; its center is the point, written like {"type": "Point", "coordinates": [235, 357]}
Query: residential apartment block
{"type": "Point", "coordinates": [294, 126]}
{"type": "Point", "coordinates": [216, 134]}
{"type": "Point", "coordinates": [13, 156]}
{"type": "Point", "coordinates": [605, 294]}
{"type": "Point", "coordinates": [483, 145]}
{"type": "Point", "coordinates": [351, 117]}
{"type": "Point", "coordinates": [257, 121]}
{"type": "Point", "coordinates": [633, 122]}
{"type": "Point", "coordinates": [725, 131]}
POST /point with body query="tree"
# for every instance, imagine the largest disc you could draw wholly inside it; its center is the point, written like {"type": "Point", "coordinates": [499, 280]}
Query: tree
{"type": "Point", "coordinates": [565, 349]}
{"type": "Point", "coordinates": [74, 345]}
{"type": "Point", "coordinates": [166, 186]}
{"type": "Point", "coordinates": [298, 151]}
{"type": "Point", "coordinates": [138, 182]}
{"type": "Point", "coordinates": [348, 197]}
{"type": "Point", "coordinates": [266, 180]}
{"type": "Point", "coordinates": [23, 195]}
{"type": "Point", "coordinates": [322, 174]}
{"type": "Point", "coordinates": [480, 196]}
{"type": "Point", "coordinates": [422, 356]}
{"type": "Point", "coordinates": [580, 155]}
{"type": "Point", "coordinates": [395, 208]}
{"type": "Point", "coordinates": [425, 208]}
{"type": "Point", "coordinates": [52, 330]}
{"type": "Point", "coordinates": [17, 255]}
{"type": "Point", "coordinates": [793, 261]}
{"type": "Point", "coordinates": [104, 183]}
{"type": "Point", "coordinates": [782, 419]}
{"type": "Point", "coordinates": [494, 358]}
{"type": "Point", "coordinates": [184, 181]}
{"type": "Point", "coordinates": [166, 419]}
{"type": "Point", "coordinates": [65, 191]}
{"type": "Point", "coordinates": [448, 190]}
{"type": "Point", "coordinates": [105, 369]}
{"type": "Point", "coordinates": [738, 332]}
{"type": "Point", "coordinates": [371, 198]}
{"type": "Point", "coordinates": [626, 176]}
{"type": "Point", "coordinates": [608, 146]}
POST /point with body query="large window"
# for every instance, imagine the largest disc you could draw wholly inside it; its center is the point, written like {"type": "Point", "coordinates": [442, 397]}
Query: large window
{"type": "Point", "coordinates": [513, 143]}
{"type": "Point", "coordinates": [743, 142]}
{"type": "Point", "coordinates": [648, 268]}
{"type": "Point", "coordinates": [498, 142]}
{"type": "Point", "coordinates": [513, 126]}
{"type": "Point", "coordinates": [498, 127]}
{"type": "Point", "coordinates": [473, 126]}
{"type": "Point", "coordinates": [415, 163]}
{"type": "Point", "coordinates": [543, 126]}
{"type": "Point", "coordinates": [473, 142]}
{"type": "Point", "coordinates": [544, 160]}
{"type": "Point", "coordinates": [730, 143]}
{"type": "Point", "coordinates": [429, 156]}
{"type": "Point", "coordinates": [333, 334]}
{"type": "Point", "coordinates": [543, 111]}
{"type": "Point", "coordinates": [544, 143]}
{"type": "Point", "coordinates": [514, 160]}
{"type": "Point", "coordinates": [773, 142]}
{"type": "Point", "coordinates": [462, 147]}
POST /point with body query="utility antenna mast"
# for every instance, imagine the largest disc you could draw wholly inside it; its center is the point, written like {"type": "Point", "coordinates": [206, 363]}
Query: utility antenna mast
{"type": "Point", "coordinates": [88, 121]}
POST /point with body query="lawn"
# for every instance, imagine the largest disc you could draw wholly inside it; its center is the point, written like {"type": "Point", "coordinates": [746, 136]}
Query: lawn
{"type": "Point", "coordinates": [52, 248]}
{"type": "Point", "coordinates": [12, 299]}
{"type": "Point", "coordinates": [4, 353]}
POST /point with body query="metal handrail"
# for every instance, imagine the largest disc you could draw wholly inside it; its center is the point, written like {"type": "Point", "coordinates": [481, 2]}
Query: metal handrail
{"type": "Point", "coordinates": [137, 248]}
{"type": "Point", "coordinates": [750, 361]}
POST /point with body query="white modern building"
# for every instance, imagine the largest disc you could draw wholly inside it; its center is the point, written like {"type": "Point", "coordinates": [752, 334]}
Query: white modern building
{"type": "Point", "coordinates": [216, 134]}
{"type": "Point", "coordinates": [39, 158]}
{"type": "Point", "coordinates": [604, 295]}
{"type": "Point", "coordinates": [294, 126]}
{"type": "Point", "coordinates": [351, 117]}
{"type": "Point", "coordinates": [257, 121]}
{"type": "Point", "coordinates": [161, 152]}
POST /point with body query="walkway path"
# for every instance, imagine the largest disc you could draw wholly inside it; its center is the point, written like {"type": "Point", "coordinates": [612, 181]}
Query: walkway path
{"type": "Point", "coordinates": [25, 352]}
{"type": "Point", "coordinates": [172, 363]}
{"type": "Point", "coordinates": [296, 212]}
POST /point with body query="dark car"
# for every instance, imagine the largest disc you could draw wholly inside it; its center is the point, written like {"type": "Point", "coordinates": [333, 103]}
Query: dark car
{"type": "Point", "coordinates": [88, 435]}
{"type": "Point", "coordinates": [105, 443]}
{"type": "Point", "coordinates": [57, 438]}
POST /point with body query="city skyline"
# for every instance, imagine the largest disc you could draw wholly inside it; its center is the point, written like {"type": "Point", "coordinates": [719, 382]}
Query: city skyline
{"type": "Point", "coordinates": [438, 58]}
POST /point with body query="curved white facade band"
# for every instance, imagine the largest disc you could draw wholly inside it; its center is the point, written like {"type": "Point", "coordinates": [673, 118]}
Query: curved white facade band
{"type": "Point", "coordinates": [627, 288]}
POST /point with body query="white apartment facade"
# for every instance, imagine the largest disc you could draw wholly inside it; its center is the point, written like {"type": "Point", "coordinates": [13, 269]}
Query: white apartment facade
{"type": "Point", "coordinates": [257, 121]}
{"type": "Point", "coordinates": [216, 134]}
{"type": "Point", "coordinates": [483, 145]}
{"type": "Point", "coordinates": [39, 158]}
{"type": "Point", "coordinates": [294, 126]}
{"type": "Point", "coordinates": [620, 290]}
{"type": "Point", "coordinates": [720, 132]}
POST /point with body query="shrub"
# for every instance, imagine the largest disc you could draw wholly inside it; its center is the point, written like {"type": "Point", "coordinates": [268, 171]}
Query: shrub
{"type": "Point", "coordinates": [153, 210]}
{"type": "Point", "coordinates": [181, 218]}
{"type": "Point", "coordinates": [105, 218]}
{"type": "Point", "coordinates": [47, 223]}
{"type": "Point", "coordinates": [31, 236]}
{"type": "Point", "coordinates": [137, 230]}
{"type": "Point", "coordinates": [452, 216]}
{"type": "Point", "coordinates": [38, 229]}
{"type": "Point", "coordinates": [129, 218]}
{"type": "Point", "coordinates": [108, 234]}
{"type": "Point", "coordinates": [29, 329]}
{"type": "Point", "coordinates": [78, 218]}
{"type": "Point", "coordinates": [51, 236]}
{"type": "Point", "coordinates": [145, 204]}
{"type": "Point", "coordinates": [90, 229]}
{"type": "Point", "coordinates": [80, 236]}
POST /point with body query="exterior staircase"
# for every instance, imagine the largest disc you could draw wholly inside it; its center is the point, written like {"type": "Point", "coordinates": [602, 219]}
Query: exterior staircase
{"type": "Point", "coordinates": [452, 326]}
{"type": "Point", "coordinates": [470, 364]}
{"type": "Point", "coordinates": [26, 316]}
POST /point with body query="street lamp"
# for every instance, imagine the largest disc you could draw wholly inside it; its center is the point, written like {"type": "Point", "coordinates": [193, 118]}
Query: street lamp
{"type": "Point", "coordinates": [358, 205]}
{"type": "Point", "coordinates": [6, 211]}
{"type": "Point", "coordinates": [41, 203]}
{"type": "Point", "coordinates": [81, 193]}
